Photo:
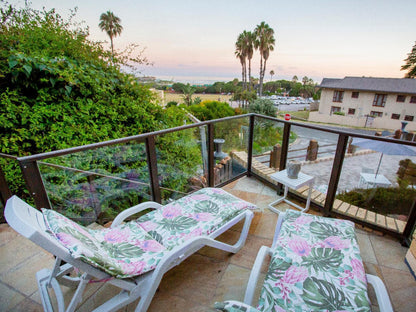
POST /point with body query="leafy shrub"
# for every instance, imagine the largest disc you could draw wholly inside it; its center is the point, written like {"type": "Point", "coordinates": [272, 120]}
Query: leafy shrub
{"type": "Point", "coordinates": [381, 200]}
{"type": "Point", "coordinates": [263, 107]}
{"type": "Point", "coordinates": [208, 110]}
{"type": "Point", "coordinates": [339, 113]}
{"type": "Point", "coordinates": [60, 90]}
{"type": "Point", "coordinates": [172, 103]}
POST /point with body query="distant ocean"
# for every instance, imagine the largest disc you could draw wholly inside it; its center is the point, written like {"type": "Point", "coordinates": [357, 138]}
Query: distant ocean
{"type": "Point", "coordinates": [195, 79]}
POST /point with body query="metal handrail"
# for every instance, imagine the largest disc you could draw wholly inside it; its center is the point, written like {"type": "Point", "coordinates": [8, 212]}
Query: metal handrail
{"type": "Point", "coordinates": [29, 164]}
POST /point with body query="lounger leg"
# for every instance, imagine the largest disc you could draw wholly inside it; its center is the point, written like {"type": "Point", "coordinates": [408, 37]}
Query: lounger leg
{"type": "Point", "coordinates": [77, 298]}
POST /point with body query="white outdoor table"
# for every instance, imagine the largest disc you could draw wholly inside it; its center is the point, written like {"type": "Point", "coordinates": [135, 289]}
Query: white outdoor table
{"type": "Point", "coordinates": [371, 180]}
{"type": "Point", "coordinates": [303, 179]}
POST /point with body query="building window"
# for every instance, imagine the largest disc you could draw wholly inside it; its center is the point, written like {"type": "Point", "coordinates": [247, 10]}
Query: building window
{"type": "Point", "coordinates": [355, 94]}
{"type": "Point", "coordinates": [351, 111]}
{"type": "Point", "coordinates": [380, 100]}
{"type": "Point", "coordinates": [376, 114]}
{"type": "Point", "coordinates": [401, 98]}
{"type": "Point", "coordinates": [395, 116]}
{"type": "Point", "coordinates": [335, 109]}
{"type": "Point", "coordinates": [408, 118]}
{"type": "Point", "coordinates": [413, 99]}
{"type": "Point", "coordinates": [338, 96]}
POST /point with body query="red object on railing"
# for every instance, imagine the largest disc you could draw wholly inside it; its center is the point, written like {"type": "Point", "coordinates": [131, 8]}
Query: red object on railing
{"type": "Point", "coordinates": [287, 116]}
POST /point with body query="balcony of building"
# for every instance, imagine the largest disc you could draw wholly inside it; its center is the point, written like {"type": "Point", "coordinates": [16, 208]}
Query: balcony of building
{"type": "Point", "coordinates": [92, 183]}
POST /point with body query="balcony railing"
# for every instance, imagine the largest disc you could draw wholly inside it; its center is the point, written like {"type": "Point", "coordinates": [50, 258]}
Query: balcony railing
{"type": "Point", "coordinates": [94, 182]}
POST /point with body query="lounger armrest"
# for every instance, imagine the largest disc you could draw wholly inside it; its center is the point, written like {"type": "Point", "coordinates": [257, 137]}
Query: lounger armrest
{"type": "Point", "coordinates": [133, 210]}
{"type": "Point", "coordinates": [255, 274]}
{"type": "Point", "coordinates": [381, 293]}
{"type": "Point", "coordinates": [279, 223]}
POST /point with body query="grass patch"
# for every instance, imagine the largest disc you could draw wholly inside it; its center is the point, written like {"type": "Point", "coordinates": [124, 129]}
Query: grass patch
{"type": "Point", "coordinates": [297, 114]}
{"type": "Point", "coordinates": [178, 97]}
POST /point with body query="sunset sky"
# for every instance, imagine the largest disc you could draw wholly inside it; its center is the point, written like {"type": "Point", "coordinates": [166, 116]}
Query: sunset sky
{"type": "Point", "coordinates": [195, 40]}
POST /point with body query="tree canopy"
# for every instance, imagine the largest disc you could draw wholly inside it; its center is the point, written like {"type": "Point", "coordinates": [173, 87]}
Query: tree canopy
{"type": "Point", "coordinates": [410, 65]}
{"type": "Point", "coordinates": [111, 25]}
{"type": "Point", "coordinates": [59, 89]}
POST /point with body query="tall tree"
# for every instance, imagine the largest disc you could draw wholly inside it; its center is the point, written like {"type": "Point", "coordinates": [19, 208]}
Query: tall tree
{"type": "Point", "coordinates": [271, 74]}
{"type": "Point", "coordinates": [111, 25]}
{"type": "Point", "coordinates": [410, 65]}
{"type": "Point", "coordinates": [264, 43]}
{"type": "Point", "coordinates": [240, 54]}
{"type": "Point", "coordinates": [295, 79]}
{"type": "Point", "coordinates": [188, 91]}
{"type": "Point", "coordinates": [248, 39]}
{"type": "Point", "coordinates": [305, 80]}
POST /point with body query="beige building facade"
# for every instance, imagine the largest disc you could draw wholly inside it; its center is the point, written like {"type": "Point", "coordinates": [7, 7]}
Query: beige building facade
{"type": "Point", "coordinates": [368, 102]}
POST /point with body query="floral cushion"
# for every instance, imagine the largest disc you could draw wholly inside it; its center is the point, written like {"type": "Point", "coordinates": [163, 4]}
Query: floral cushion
{"type": "Point", "coordinates": [199, 213]}
{"type": "Point", "coordinates": [234, 306]}
{"type": "Point", "coordinates": [316, 266]}
{"type": "Point", "coordinates": [123, 251]}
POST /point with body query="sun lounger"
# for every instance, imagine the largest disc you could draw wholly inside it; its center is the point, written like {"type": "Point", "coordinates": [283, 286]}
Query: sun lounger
{"type": "Point", "coordinates": [133, 255]}
{"type": "Point", "coordinates": [315, 266]}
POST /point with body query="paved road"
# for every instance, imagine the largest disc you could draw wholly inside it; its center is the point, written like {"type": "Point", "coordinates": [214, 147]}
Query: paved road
{"type": "Point", "coordinates": [352, 167]}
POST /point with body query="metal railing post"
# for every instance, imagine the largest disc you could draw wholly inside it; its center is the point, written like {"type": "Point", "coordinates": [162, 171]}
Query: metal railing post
{"type": "Point", "coordinates": [211, 180]}
{"type": "Point", "coordinates": [410, 225]}
{"type": "Point", "coordinates": [152, 165]}
{"type": "Point", "coordinates": [5, 192]}
{"type": "Point", "coordinates": [250, 145]}
{"type": "Point", "coordinates": [285, 146]}
{"type": "Point", "coordinates": [335, 173]}
{"type": "Point", "coordinates": [34, 183]}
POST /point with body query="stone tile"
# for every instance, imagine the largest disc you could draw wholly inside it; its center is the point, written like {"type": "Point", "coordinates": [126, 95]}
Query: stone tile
{"type": "Point", "coordinates": [167, 302]}
{"type": "Point", "coordinates": [195, 279]}
{"type": "Point", "coordinates": [230, 186]}
{"type": "Point", "coordinates": [229, 237]}
{"type": "Point", "coordinates": [263, 201]}
{"type": "Point", "coordinates": [22, 277]}
{"type": "Point", "coordinates": [94, 296]}
{"type": "Point", "coordinates": [248, 184]}
{"type": "Point", "coordinates": [389, 252]}
{"type": "Point", "coordinates": [27, 305]}
{"type": "Point", "coordinates": [247, 196]}
{"type": "Point", "coordinates": [366, 248]}
{"type": "Point", "coordinates": [233, 284]}
{"type": "Point", "coordinates": [266, 226]}
{"type": "Point", "coordinates": [247, 255]}
{"type": "Point", "coordinates": [7, 234]}
{"type": "Point", "coordinates": [20, 246]}
{"type": "Point", "coordinates": [268, 191]}
{"type": "Point", "coordinates": [9, 297]}
{"type": "Point", "coordinates": [401, 287]}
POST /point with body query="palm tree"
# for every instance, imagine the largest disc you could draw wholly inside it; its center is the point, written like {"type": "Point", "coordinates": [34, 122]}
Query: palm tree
{"type": "Point", "coordinates": [271, 74]}
{"type": "Point", "coordinates": [264, 43]}
{"type": "Point", "coordinates": [240, 54]}
{"type": "Point", "coordinates": [410, 65]}
{"type": "Point", "coordinates": [248, 46]}
{"type": "Point", "coordinates": [111, 25]}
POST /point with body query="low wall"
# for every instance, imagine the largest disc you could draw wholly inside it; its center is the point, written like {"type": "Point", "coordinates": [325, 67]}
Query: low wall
{"type": "Point", "coordinates": [378, 122]}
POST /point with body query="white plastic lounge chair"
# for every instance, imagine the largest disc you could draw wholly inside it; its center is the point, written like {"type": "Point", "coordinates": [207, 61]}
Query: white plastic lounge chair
{"type": "Point", "coordinates": [315, 266]}
{"type": "Point", "coordinates": [132, 256]}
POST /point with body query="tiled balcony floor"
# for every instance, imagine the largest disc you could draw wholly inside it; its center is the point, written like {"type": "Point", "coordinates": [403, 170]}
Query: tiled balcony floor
{"type": "Point", "coordinates": [206, 277]}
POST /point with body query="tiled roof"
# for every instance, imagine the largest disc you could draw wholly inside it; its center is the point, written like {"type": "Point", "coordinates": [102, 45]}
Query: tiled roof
{"type": "Point", "coordinates": [390, 85]}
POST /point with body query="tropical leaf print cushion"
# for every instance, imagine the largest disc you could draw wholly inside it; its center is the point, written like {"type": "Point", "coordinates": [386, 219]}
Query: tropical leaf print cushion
{"type": "Point", "coordinates": [234, 306]}
{"type": "Point", "coordinates": [199, 213]}
{"type": "Point", "coordinates": [316, 266]}
{"type": "Point", "coordinates": [123, 251]}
